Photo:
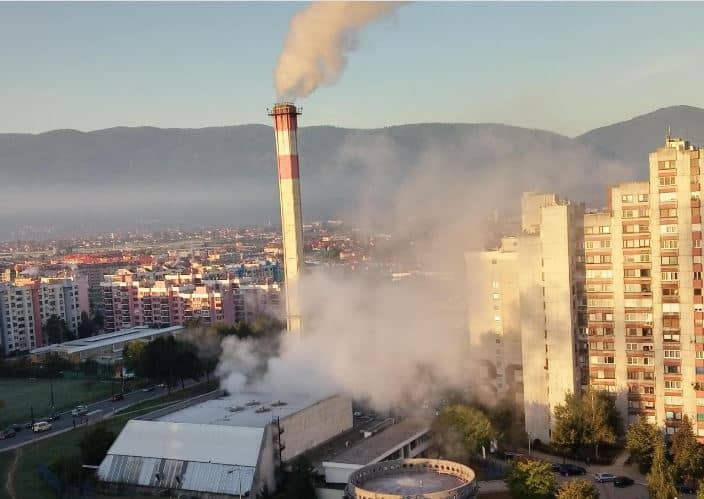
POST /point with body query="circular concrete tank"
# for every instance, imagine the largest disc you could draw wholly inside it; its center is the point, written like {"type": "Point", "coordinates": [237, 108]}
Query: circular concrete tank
{"type": "Point", "coordinates": [412, 478]}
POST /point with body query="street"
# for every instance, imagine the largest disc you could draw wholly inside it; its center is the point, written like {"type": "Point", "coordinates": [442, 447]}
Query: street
{"type": "Point", "coordinates": [96, 410]}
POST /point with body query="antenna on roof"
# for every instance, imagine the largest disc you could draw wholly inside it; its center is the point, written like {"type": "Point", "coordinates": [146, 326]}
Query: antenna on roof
{"type": "Point", "coordinates": [669, 132]}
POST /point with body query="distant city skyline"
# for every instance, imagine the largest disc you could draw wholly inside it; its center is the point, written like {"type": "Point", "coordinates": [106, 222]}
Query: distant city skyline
{"type": "Point", "coordinates": [563, 67]}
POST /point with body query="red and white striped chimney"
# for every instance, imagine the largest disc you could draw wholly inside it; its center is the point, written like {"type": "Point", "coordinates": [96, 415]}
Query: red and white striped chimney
{"type": "Point", "coordinates": [285, 133]}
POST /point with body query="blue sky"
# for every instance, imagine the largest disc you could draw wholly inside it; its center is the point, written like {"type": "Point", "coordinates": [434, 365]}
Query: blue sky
{"type": "Point", "coordinates": [566, 67]}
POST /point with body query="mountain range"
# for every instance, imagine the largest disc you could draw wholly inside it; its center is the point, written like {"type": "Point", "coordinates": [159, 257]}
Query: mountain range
{"type": "Point", "coordinates": [220, 175]}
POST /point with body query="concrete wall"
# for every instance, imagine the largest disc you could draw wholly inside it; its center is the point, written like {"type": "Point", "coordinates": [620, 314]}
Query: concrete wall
{"type": "Point", "coordinates": [315, 425]}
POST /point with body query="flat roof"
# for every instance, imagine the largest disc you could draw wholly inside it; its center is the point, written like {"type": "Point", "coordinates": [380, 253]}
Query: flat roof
{"type": "Point", "coordinates": [249, 409]}
{"type": "Point", "coordinates": [189, 442]}
{"type": "Point", "coordinates": [417, 482]}
{"type": "Point", "coordinates": [383, 443]}
{"type": "Point", "coordinates": [107, 339]}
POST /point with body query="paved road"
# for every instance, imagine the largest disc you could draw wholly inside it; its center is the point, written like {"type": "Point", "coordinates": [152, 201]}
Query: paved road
{"type": "Point", "coordinates": [97, 410]}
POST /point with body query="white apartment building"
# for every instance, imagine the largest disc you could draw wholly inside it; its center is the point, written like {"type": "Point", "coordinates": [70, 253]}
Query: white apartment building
{"type": "Point", "coordinates": [495, 339]}
{"type": "Point", "coordinates": [18, 321]}
{"type": "Point", "coordinates": [527, 311]}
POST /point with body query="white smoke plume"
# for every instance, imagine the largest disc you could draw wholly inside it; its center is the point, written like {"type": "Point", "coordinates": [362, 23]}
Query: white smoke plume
{"type": "Point", "coordinates": [318, 41]}
{"type": "Point", "coordinates": [401, 343]}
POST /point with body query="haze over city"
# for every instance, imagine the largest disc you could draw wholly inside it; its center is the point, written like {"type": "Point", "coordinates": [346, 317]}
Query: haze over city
{"type": "Point", "coordinates": [351, 249]}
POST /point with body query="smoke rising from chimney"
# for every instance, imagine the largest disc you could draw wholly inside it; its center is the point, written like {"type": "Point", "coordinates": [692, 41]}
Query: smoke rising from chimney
{"type": "Point", "coordinates": [318, 41]}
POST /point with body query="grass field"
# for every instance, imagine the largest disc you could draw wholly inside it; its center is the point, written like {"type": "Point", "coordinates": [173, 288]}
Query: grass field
{"type": "Point", "coordinates": [19, 395]}
{"type": "Point", "coordinates": [26, 481]}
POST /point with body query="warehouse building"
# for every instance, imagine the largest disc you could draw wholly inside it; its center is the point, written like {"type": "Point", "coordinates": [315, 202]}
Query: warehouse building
{"type": "Point", "coordinates": [226, 446]}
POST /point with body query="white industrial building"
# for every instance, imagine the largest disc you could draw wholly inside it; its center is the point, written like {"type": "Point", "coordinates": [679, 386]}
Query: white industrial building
{"type": "Point", "coordinates": [225, 446]}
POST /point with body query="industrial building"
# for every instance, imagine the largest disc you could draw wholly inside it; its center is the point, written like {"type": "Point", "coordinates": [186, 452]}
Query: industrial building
{"type": "Point", "coordinates": [405, 478]}
{"type": "Point", "coordinates": [405, 439]}
{"type": "Point", "coordinates": [105, 348]}
{"type": "Point", "coordinates": [226, 446]}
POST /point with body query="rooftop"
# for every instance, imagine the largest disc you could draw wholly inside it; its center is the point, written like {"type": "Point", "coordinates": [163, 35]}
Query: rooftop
{"type": "Point", "coordinates": [417, 482]}
{"type": "Point", "coordinates": [384, 443]}
{"type": "Point", "coordinates": [107, 339]}
{"type": "Point", "coordinates": [248, 409]}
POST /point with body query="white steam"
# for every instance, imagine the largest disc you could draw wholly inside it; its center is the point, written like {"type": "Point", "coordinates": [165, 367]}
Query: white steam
{"type": "Point", "coordinates": [319, 38]}
{"type": "Point", "coordinates": [400, 343]}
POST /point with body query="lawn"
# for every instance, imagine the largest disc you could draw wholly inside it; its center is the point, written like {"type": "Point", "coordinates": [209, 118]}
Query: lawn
{"type": "Point", "coordinates": [5, 460]}
{"type": "Point", "coordinates": [26, 480]}
{"type": "Point", "coordinates": [18, 395]}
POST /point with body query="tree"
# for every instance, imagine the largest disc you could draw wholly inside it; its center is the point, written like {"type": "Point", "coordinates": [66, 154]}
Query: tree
{"type": "Point", "coordinates": [133, 358]}
{"type": "Point", "coordinates": [88, 326]}
{"type": "Point", "coordinates": [301, 480]}
{"type": "Point", "coordinates": [587, 419]}
{"type": "Point", "coordinates": [577, 489]}
{"type": "Point", "coordinates": [95, 445]}
{"type": "Point", "coordinates": [661, 482]}
{"type": "Point", "coordinates": [460, 431]}
{"type": "Point", "coordinates": [687, 455]}
{"type": "Point", "coordinates": [56, 330]}
{"type": "Point", "coordinates": [640, 442]}
{"type": "Point", "coordinates": [530, 479]}
{"type": "Point", "coordinates": [188, 364]}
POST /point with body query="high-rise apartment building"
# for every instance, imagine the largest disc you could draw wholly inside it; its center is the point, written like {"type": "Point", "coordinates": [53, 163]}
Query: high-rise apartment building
{"type": "Point", "coordinates": [495, 339]}
{"type": "Point", "coordinates": [26, 305]}
{"type": "Point", "coordinates": [646, 321]}
{"type": "Point", "coordinates": [527, 297]}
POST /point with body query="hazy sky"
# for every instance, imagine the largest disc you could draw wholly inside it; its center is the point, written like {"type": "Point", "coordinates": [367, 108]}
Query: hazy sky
{"type": "Point", "coordinates": [562, 67]}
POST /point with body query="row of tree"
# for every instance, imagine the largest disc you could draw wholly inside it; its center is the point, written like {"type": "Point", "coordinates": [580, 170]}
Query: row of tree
{"type": "Point", "coordinates": [533, 479]}
{"type": "Point", "coordinates": [56, 330]}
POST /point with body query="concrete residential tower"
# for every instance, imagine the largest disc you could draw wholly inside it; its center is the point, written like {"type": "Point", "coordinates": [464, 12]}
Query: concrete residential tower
{"type": "Point", "coordinates": [285, 132]}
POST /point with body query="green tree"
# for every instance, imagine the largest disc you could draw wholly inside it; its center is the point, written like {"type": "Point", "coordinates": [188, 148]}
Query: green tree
{"type": "Point", "coordinates": [56, 330]}
{"type": "Point", "coordinates": [133, 358]}
{"type": "Point", "coordinates": [640, 442]}
{"type": "Point", "coordinates": [530, 479]}
{"type": "Point", "coordinates": [700, 491]}
{"type": "Point", "coordinates": [301, 480]}
{"type": "Point", "coordinates": [577, 489]}
{"type": "Point", "coordinates": [95, 445]}
{"type": "Point", "coordinates": [460, 431]}
{"type": "Point", "coordinates": [661, 481]}
{"type": "Point", "coordinates": [590, 418]}
{"type": "Point", "coordinates": [687, 454]}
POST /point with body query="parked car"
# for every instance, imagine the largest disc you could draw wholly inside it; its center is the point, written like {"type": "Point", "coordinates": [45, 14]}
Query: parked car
{"type": "Point", "coordinates": [17, 428]}
{"type": "Point", "coordinates": [148, 388]}
{"type": "Point", "coordinates": [9, 433]}
{"type": "Point", "coordinates": [80, 410]}
{"type": "Point", "coordinates": [41, 426]}
{"type": "Point", "coordinates": [604, 477]}
{"type": "Point", "coordinates": [510, 456]}
{"type": "Point", "coordinates": [28, 425]}
{"type": "Point", "coordinates": [54, 417]}
{"type": "Point", "coordinates": [622, 481]}
{"type": "Point", "coordinates": [118, 396]}
{"type": "Point", "coordinates": [571, 470]}
{"type": "Point", "coordinates": [685, 489]}
{"type": "Point", "coordinates": [555, 467]}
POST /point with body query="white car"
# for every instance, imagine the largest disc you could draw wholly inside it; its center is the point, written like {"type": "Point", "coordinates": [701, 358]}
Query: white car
{"type": "Point", "coordinates": [80, 410]}
{"type": "Point", "coordinates": [604, 477]}
{"type": "Point", "coordinates": [41, 426]}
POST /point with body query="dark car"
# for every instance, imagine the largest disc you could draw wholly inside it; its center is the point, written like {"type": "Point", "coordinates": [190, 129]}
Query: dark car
{"type": "Point", "coordinates": [623, 481]}
{"type": "Point", "coordinates": [28, 426]}
{"type": "Point", "coordinates": [571, 470]}
{"type": "Point", "coordinates": [118, 396]}
{"type": "Point", "coordinates": [17, 428]}
{"type": "Point", "coordinates": [7, 434]}
{"type": "Point", "coordinates": [555, 467]}
{"type": "Point", "coordinates": [685, 489]}
{"type": "Point", "coordinates": [54, 417]}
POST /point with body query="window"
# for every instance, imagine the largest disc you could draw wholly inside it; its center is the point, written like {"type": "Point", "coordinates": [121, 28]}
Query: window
{"type": "Point", "coordinates": [668, 212]}
{"type": "Point", "coordinates": [697, 276]}
{"type": "Point", "coordinates": [667, 196]}
{"type": "Point", "coordinates": [668, 260]}
{"type": "Point", "coordinates": [605, 229]}
{"type": "Point", "coordinates": [671, 354]}
{"type": "Point", "coordinates": [627, 198]}
{"type": "Point", "coordinates": [643, 198]}
{"type": "Point", "coordinates": [666, 181]}
{"type": "Point", "coordinates": [673, 385]}
{"type": "Point", "coordinates": [670, 276]}
{"type": "Point", "coordinates": [666, 165]}
{"type": "Point", "coordinates": [700, 354]}
{"type": "Point", "coordinates": [668, 229]}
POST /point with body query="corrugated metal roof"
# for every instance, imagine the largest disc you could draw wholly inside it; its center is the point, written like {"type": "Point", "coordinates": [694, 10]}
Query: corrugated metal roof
{"type": "Point", "coordinates": [174, 474]}
{"type": "Point", "coordinates": [229, 445]}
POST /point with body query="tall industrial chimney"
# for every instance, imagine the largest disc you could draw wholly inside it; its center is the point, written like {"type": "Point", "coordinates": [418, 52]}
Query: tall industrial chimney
{"type": "Point", "coordinates": [285, 133]}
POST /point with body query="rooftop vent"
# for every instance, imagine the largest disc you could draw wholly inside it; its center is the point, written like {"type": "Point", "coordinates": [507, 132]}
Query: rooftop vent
{"type": "Point", "coordinates": [237, 408]}
{"type": "Point", "coordinates": [253, 403]}
{"type": "Point", "coordinates": [262, 409]}
{"type": "Point", "coordinates": [279, 403]}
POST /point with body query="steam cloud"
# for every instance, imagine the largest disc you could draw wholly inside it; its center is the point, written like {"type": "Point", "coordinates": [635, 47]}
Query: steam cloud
{"type": "Point", "coordinates": [319, 38]}
{"type": "Point", "coordinates": [397, 344]}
